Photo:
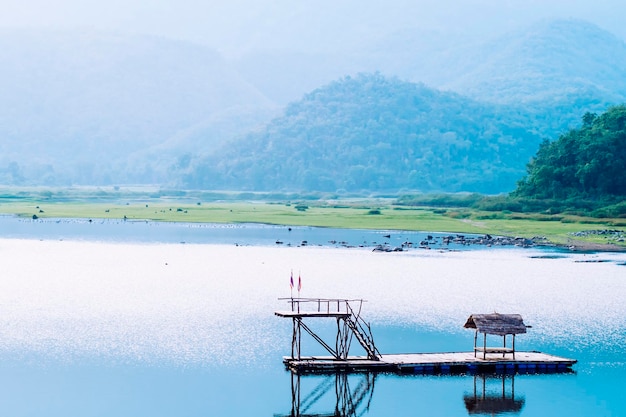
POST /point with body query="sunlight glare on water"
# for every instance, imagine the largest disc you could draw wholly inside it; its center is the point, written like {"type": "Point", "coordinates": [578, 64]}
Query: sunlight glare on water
{"type": "Point", "coordinates": [211, 304]}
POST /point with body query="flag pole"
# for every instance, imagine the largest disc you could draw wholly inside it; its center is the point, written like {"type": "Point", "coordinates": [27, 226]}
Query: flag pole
{"type": "Point", "coordinates": [299, 283]}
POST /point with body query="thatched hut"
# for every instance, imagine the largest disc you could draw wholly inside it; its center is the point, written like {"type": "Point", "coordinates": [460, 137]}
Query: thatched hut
{"type": "Point", "coordinates": [496, 324]}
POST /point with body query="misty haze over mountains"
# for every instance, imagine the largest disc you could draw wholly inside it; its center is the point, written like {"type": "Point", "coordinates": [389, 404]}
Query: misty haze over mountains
{"type": "Point", "coordinates": [88, 107]}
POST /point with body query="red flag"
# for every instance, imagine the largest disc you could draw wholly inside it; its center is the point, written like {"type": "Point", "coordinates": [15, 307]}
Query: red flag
{"type": "Point", "coordinates": [299, 283]}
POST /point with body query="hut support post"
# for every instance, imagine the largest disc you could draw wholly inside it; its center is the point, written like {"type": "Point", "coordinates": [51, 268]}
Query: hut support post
{"type": "Point", "coordinates": [513, 346]}
{"type": "Point", "coordinates": [475, 340]}
{"type": "Point", "coordinates": [485, 346]}
{"type": "Point", "coordinates": [504, 345]}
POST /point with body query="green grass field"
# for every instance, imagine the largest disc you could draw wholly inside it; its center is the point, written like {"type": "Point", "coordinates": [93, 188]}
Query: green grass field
{"type": "Point", "coordinates": [362, 214]}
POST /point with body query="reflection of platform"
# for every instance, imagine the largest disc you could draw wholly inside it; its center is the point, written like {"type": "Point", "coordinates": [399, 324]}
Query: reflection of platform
{"type": "Point", "coordinates": [348, 402]}
{"type": "Point", "coordinates": [451, 362]}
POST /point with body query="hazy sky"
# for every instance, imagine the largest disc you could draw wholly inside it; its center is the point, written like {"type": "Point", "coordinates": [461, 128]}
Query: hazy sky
{"type": "Point", "coordinates": [234, 25]}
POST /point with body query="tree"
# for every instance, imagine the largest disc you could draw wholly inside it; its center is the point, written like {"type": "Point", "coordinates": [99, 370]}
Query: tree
{"type": "Point", "coordinates": [584, 163]}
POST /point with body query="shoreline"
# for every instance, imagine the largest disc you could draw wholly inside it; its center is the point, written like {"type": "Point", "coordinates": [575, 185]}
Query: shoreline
{"type": "Point", "coordinates": [579, 246]}
{"type": "Point", "coordinates": [269, 234]}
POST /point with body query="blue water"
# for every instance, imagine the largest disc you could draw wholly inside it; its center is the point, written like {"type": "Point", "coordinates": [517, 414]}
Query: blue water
{"type": "Point", "coordinates": [102, 319]}
{"type": "Point", "coordinates": [265, 389]}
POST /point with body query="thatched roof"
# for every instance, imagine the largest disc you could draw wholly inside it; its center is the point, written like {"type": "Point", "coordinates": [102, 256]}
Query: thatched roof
{"type": "Point", "coordinates": [496, 323]}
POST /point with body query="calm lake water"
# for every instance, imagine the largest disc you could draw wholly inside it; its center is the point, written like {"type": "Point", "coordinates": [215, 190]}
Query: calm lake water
{"type": "Point", "coordinates": [121, 319]}
{"type": "Point", "coordinates": [237, 234]}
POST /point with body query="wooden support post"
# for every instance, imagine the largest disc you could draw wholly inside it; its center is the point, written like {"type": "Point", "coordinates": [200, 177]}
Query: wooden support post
{"type": "Point", "coordinates": [341, 345]}
{"type": "Point", "coordinates": [513, 346]}
{"type": "Point", "coordinates": [296, 337]}
{"type": "Point", "coordinates": [293, 339]}
{"type": "Point", "coordinates": [475, 340]}
{"type": "Point", "coordinates": [504, 346]}
{"type": "Point", "coordinates": [485, 346]}
{"type": "Point", "coordinates": [299, 337]}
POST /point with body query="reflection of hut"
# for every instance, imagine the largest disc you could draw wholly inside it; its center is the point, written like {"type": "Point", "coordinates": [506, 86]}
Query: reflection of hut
{"type": "Point", "coordinates": [493, 402]}
{"type": "Point", "coordinates": [496, 324]}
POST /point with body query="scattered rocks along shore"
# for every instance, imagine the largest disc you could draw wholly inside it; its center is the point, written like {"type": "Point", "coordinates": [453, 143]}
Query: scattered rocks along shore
{"type": "Point", "coordinates": [611, 235]}
{"type": "Point", "coordinates": [485, 240]}
{"type": "Point", "coordinates": [614, 238]}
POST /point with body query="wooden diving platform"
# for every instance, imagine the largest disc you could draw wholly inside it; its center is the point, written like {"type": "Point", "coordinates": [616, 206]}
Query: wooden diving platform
{"type": "Point", "coordinates": [434, 363]}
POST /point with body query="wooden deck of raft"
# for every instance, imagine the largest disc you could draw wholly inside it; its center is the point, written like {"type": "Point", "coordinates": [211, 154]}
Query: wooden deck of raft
{"type": "Point", "coordinates": [434, 363]}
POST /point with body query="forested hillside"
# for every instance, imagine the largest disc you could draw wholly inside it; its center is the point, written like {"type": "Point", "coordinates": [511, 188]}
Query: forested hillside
{"type": "Point", "coordinates": [585, 163]}
{"type": "Point", "coordinates": [370, 132]}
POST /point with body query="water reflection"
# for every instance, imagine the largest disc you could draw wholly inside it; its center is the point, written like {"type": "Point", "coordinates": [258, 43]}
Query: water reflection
{"type": "Point", "coordinates": [350, 395]}
{"type": "Point", "coordinates": [493, 395]}
{"type": "Point", "coordinates": [351, 399]}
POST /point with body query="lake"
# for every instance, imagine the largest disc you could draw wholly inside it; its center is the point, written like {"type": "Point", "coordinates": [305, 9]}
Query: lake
{"type": "Point", "coordinates": [126, 320]}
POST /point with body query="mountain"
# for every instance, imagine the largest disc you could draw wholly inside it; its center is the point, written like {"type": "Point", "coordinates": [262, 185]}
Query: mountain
{"type": "Point", "coordinates": [544, 63]}
{"type": "Point", "coordinates": [77, 105]}
{"type": "Point", "coordinates": [371, 132]}
{"type": "Point", "coordinates": [539, 83]}
{"type": "Point", "coordinates": [86, 107]}
{"type": "Point", "coordinates": [557, 69]}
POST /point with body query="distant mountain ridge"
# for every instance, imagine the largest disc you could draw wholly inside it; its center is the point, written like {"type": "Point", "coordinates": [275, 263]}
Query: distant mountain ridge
{"type": "Point", "coordinates": [547, 62]}
{"type": "Point", "coordinates": [101, 108]}
{"type": "Point", "coordinates": [75, 105]}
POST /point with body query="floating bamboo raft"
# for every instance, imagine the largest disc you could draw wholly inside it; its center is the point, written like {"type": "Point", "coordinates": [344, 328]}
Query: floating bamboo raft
{"type": "Point", "coordinates": [433, 363]}
{"type": "Point", "coordinates": [501, 359]}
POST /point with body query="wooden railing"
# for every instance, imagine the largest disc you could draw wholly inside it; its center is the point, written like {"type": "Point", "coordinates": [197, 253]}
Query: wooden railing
{"type": "Point", "coordinates": [327, 305]}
